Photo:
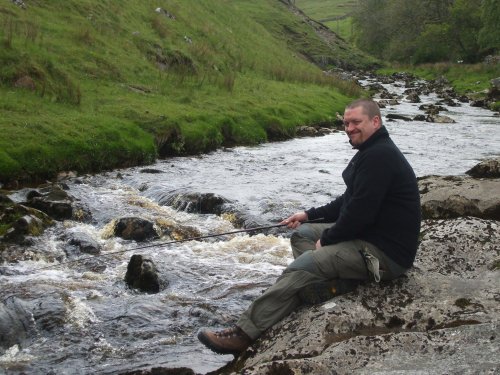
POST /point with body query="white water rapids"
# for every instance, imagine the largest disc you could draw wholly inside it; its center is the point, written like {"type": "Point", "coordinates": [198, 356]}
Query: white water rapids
{"type": "Point", "coordinates": [106, 328]}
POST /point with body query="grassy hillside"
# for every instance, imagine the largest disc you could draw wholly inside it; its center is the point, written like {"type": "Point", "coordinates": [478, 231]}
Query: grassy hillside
{"type": "Point", "coordinates": [332, 13]}
{"type": "Point", "coordinates": [88, 85]}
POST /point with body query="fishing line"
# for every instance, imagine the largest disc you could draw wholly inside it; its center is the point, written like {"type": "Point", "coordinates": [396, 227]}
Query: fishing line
{"type": "Point", "coordinates": [161, 244]}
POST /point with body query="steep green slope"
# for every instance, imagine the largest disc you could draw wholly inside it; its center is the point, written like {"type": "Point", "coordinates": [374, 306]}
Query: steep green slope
{"type": "Point", "coordinates": [88, 85]}
{"type": "Point", "coordinates": [336, 14]}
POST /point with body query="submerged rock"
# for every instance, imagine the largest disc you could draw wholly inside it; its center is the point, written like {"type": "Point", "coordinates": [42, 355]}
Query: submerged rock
{"type": "Point", "coordinates": [193, 202]}
{"type": "Point", "coordinates": [80, 242]}
{"type": "Point", "coordinates": [142, 274]}
{"type": "Point", "coordinates": [16, 322]}
{"type": "Point", "coordinates": [133, 228]}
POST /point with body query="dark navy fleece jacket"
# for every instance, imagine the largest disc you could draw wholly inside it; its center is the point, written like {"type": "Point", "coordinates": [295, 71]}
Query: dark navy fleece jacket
{"type": "Point", "coordinates": [381, 203]}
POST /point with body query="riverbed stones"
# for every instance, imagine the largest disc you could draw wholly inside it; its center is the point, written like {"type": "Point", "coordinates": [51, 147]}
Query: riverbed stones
{"type": "Point", "coordinates": [443, 316]}
{"type": "Point", "coordinates": [388, 102]}
{"type": "Point", "coordinates": [305, 131]}
{"type": "Point", "coordinates": [432, 109]}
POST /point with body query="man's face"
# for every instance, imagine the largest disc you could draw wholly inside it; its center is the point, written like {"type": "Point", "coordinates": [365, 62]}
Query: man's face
{"type": "Point", "coordinates": [358, 126]}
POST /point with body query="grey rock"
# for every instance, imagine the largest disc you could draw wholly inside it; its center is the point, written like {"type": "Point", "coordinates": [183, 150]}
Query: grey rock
{"type": "Point", "coordinates": [486, 169]}
{"type": "Point", "coordinates": [448, 197]}
{"type": "Point", "coordinates": [413, 98]}
{"type": "Point", "coordinates": [386, 102]}
{"type": "Point", "coordinates": [57, 203]}
{"type": "Point", "coordinates": [16, 322]}
{"type": "Point", "coordinates": [84, 243]}
{"type": "Point", "coordinates": [440, 119]}
{"type": "Point", "coordinates": [306, 131]}
{"type": "Point", "coordinates": [395, 116]}
{"type": "Point", "coordinates": [442, 317]}
{"type": "Point", "coordinates": [133, 228]}
{"type": "Point", "coordinates": [150, 171]}
{"type": "Point", "coordinates": [194, 202]}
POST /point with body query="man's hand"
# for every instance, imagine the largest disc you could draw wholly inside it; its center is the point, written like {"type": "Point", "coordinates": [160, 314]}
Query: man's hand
{"type": "Point", "coordinates": [318, 244]}
{"type": "Point", "coordinates": [295, 220]}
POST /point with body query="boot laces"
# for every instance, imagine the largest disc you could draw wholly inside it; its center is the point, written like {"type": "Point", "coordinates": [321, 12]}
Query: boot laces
{"type": "Point", "coordinates": [229, 332]}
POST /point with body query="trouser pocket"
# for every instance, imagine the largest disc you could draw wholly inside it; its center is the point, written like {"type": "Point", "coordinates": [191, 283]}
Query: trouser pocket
{"type": "Point", "coordinates": [372, 264]}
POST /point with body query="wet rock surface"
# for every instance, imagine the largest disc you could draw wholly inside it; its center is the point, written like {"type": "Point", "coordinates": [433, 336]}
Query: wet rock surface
{"type": "Point", "coordinates": [79, 242]}
{"type": "Point", "coordinates": [194, 202]}
{"type": "Point", "coordinates": [142, 274]}
{"type": "Point", "coordinates": [16, 323]}
{"type": "Point", "coordinates": [134, 228]}
{"type": "Point", "coordinates": [22, 320]}
{"type": "Point", "coordinates": [486, 169]}
{"type": "Point", "coordinates": [20, 221]}
{"type": "Point", "coordinates": [441, 317]}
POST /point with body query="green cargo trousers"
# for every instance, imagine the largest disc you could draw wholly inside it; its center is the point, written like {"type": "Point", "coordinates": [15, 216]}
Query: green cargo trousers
{"type": "Point", "coordinates": [340, 261]}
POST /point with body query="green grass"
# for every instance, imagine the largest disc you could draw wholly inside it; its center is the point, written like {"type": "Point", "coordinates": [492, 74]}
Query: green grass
{"type": "Point", "coordinates": [335, 14]}
{"type": "Point", "coordinates": [116, 84]}
{"type": "Point", "coordinates": [342, 27]}
{"type": "Point", "coordinates": [326, 9]}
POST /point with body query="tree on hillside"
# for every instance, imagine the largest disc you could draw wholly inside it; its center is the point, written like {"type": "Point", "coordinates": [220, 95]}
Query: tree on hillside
{"type": "Point", "coordinates": [372, 31]}
{"type": "Point", "coordinates": [465, 23]}
{"type": "Point", "coordinates": [489, 35]}
{"type": "Point", "coordinates": [432, 45]}
{"type": "Point", "coordinates": [426, 30]}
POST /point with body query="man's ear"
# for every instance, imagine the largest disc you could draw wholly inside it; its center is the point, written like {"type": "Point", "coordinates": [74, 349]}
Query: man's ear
{"type": "Point", "coordinates": [376, 121]}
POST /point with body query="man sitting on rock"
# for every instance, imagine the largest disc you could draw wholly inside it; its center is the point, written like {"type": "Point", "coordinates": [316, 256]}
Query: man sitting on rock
{"type": "Point", "coordinates": [369, 232]}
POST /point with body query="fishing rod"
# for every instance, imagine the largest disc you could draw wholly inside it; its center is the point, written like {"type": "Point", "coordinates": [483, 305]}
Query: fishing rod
{"type": "Point", "coordinates": [170, 243]}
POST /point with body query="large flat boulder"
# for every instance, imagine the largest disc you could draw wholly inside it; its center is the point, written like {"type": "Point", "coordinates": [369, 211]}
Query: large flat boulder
{"type": "Point", "coordinates": [444, 197]}
{"type": "Point", "coordinates": [441, 317]}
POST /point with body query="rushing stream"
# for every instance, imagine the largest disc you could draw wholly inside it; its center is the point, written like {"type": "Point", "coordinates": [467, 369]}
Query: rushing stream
{"type": "Point", "coordinates": [106, 328]}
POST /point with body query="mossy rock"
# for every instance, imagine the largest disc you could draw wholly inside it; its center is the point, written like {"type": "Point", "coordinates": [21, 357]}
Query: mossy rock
{"type": "Point", "coordinates": [14, 217]}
